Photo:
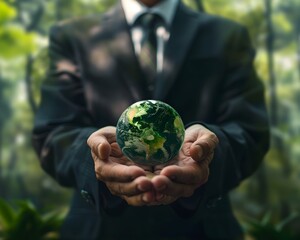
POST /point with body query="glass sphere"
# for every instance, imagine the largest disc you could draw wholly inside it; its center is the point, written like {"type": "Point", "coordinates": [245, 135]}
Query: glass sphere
{"type": "Point", "coordinates": [150, 132]}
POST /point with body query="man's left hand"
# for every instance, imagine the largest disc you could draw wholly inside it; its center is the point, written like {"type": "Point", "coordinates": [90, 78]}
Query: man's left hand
{"type": "Point", "coordinates": [190, 169]}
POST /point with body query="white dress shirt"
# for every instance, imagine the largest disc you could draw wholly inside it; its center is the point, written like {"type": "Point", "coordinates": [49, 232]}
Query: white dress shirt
{"type": "Point", "coordinates": [165, 9]}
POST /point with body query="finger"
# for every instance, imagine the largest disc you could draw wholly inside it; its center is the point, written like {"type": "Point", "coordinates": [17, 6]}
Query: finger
{"type": "Point", "coordinates": [116, 150]}
{"type": "Point", "coordinates": [138, 186]}
{"type": "Point", "coordinates": [100, 141]}
{"type": "Point", "coordinates": [165, 199]}
{"type": "Point", "coordinates": [108, 132]}
{"type": "Point", "coordinates": [99, 146]}
{"type": "Point", "coordinates": [142, 199]}
{"type": "Point", "coordinates": [157, 168]}
{"type": "Point", "coordinates": [188, 174]}
{"type": "Point", "coordinates": [166, 187]}
{"type": "Point", "coordinates": [149, 199]}
{"type": "Point", "coordinates": [161, 199]}
{"type": "Point", "coordinates": [115, 172]}
{"type": "Point", "coordinates": [204, 146]}
{"type": "Point", "coordinates": [210, 158]}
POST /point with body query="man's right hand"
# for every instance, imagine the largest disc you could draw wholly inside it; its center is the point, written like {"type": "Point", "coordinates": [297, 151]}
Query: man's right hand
{"type": "Point", "coordinates": [120, 175]}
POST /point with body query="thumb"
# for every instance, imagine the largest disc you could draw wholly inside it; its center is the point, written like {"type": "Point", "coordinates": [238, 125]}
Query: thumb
{"type": "Point", "coordinates": [104, 150]}
{"type": "Point", "coordinates": [100, 141]}
{"type": "Point", "coordinates": [197, 152]}
{"type": "Point", "coordinates": [99, 146]}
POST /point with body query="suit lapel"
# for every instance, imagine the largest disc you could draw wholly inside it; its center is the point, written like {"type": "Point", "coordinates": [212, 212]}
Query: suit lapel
{"type": "Point", "coordinates": [122, 51]}
{"type": "Point", "coordinates": [128, 67]}
{"type": "Point", "coordinates": [182, 33]}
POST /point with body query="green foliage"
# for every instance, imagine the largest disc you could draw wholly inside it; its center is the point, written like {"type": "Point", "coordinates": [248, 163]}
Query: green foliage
{"type": "Point", "coordinates": [268, 228]}
{"type": "Point", "coordinates": [84, 7]}
{"type": "Point", "coordinates": [7, 215]}
{"type": "Point", "coordinates": [6, 12]}
{"type": "Point", "coordinates": [14, 40]}
{"type": "Point", "coordinates": [40, 66]}
{"type": "Point", "coordinates": [20, 172]}
{"type": "Point", "coordinates": [26, 223]}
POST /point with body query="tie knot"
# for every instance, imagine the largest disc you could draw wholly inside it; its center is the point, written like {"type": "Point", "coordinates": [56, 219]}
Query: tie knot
{"type": "Point", "coordinates": [149, 20]}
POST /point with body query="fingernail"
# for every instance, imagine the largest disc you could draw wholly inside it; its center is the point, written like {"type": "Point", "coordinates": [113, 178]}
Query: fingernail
{"type": "Point", "coordinates": [145, 198]}
{"type": "Point", "coordinates": [99, 151]}
{"type": "Point", "coordinates": [159, 196]}
{"type": "Point", "coordinates": [141, 188]}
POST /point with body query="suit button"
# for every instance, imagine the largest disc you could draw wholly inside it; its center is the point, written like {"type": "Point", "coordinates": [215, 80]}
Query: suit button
{"type": "Point", "coordinates": [87, 197]}
{"type": "Point", "coordinates": [211, 203]}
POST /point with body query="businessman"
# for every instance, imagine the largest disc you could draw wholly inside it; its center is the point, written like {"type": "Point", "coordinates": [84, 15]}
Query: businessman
{"type": "Point", "coordinates": [201, 65]}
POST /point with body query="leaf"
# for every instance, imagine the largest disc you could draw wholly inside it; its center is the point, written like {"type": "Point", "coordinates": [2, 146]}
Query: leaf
{"type": "Point", "coordinates": [7, 214]}
{"type": "Point", "coordinates": [266, 219]}
{"type": "Point", "coordinates": [286, 221]}
{"type": "Point", "coordinates": [7, 13]}
{"type": "Point", "coordinates": [14, 41]}
{"type": "Point", "coordinates": [51, 222]}
{"type": "Point", "coordinates": [27, 223]}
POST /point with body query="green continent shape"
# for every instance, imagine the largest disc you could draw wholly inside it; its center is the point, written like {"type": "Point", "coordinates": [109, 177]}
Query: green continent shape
{"type": "Point", "coordinates": [153, 142]}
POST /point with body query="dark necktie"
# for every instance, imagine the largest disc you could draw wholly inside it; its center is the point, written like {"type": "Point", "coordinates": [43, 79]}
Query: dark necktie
{"type": "Point", "coordinates": [148, 61]}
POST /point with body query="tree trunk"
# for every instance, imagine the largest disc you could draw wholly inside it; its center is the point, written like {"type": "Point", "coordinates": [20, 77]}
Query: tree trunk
{"type": "Point", "coordinates": [2, 183]}
{"type": "Point", "coordinates": [4, 116]}
{"type": "Point", "coordinates": [36, 18]}
{"type": "Point", "coordinates": [298, 63]}
{"type": "Point", "coordinates": [278, 141]}
{"type": "Point", "coordinates": [261, 175]}
{"type": "Point", "coordinates": [199, 5]}
{"type": "Point", "coordinates": [28, 82]}
{"type": "Point", "coordinates": [59, 15]}
{"type": "Point", "coordinates": [32, 26]}
{"type": "Point", "coordinates": [1, 146]}
{"type": "Point", "coordinates": [298, 50]}
{"type": "Point", "coordinates": [15, 179]}
{"type": "Point", "coordinates": [270, 54]}
{"type": "Point", "coordinates": [1, 125]}
{"type": "Point", "coordinates": [263, 193]}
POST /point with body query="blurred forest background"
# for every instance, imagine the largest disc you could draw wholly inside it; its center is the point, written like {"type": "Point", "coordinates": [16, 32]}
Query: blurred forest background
{"type": "Point", "coordinates": [267, 203]}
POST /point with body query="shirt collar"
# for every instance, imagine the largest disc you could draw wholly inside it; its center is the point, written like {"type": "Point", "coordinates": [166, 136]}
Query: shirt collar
{"type": "Point", "coordinates": [133, 9]}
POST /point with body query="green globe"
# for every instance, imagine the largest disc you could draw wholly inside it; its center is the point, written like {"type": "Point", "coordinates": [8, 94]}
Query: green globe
{"type": "Point", "coordinates": [150, 132]}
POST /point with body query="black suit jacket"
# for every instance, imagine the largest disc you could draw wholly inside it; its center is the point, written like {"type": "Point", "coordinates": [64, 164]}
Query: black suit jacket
{"type": "Point", "coordinates": [208, 78]}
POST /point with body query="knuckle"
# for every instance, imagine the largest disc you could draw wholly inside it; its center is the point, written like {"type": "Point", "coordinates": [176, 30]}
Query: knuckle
{"type": "Point", "coordinates": [168, 200]}
{"type": "Point", "coordinates": [89, 141]}
{"type": "Point", "coordinates": [134, 201]}
{"type": "Point", "coordinates": [94, 156]}
{"type": "Point", "coordinates": [211, 139]}
{"type": "Point", "coordinates": [125, 190]}
{"type": "Point", "coordinates": [98, 176]}
{"type": "Point", "coordinates": [203, 177]}
{"type": "Point", "coordinates": [111, 189]}
{"type": "Point", "coordinates": [210, 157]}
{"type": "Point", "coordinates": [215, 139]}
{"type": "Point", "coordinates": [100, 173]}
{"type": "Point", "coordinates": [210, 135]}
{"type": "Point", "coordinates": [113, 192]}
{"type": "Point", "coordinates": [119, 189]}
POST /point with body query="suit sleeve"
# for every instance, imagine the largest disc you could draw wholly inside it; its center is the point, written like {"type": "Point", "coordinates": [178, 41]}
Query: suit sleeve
{"type": "Point", "coordinates": [241, 124]}
{"type": "Point", "coordinates": [63, 124]}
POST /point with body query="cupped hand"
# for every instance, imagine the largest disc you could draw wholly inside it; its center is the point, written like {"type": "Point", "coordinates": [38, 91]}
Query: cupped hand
{"type": "Point", "coordinates": [122, 177]}
{"type": "Point", "coordinates": [189, 170]}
